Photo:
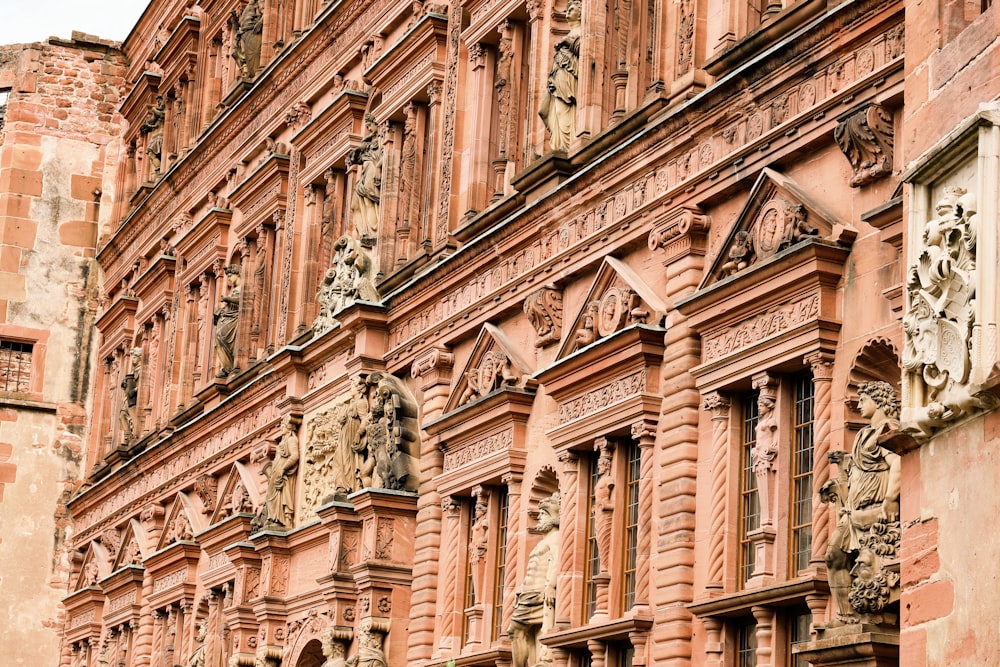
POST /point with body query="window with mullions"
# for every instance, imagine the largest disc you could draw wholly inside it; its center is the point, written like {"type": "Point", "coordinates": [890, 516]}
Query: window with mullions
{"type": "Point", "coordinates": [799, 629]}
{"type": "Point", "coordinates": [801, 476]}
{"type": "Point", "coordinates": [500, 568]}
{"type": "Point", "coordinates": [632, 472]}
{"type": "Point", "coordinates": [749, 498]}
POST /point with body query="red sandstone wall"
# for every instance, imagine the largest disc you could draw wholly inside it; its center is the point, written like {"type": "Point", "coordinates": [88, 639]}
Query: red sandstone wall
{"type": "Point", "coordinates": [58, 140]}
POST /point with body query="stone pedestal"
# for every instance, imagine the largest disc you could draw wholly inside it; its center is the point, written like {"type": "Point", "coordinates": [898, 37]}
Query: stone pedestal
{"type": "Point", "coordinates": [852, 646]}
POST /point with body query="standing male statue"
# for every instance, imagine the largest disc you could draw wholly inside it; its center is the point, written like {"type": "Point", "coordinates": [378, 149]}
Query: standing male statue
{"type": "Point", "coordinates": [535, 605]}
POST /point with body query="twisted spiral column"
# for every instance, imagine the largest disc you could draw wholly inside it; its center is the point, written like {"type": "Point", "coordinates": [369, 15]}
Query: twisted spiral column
{"type": "Point", "coordinates": [718, 405]}
{"type": "Point", "coordinates": [568, 532]}
{"type": "Point", "coordinates": [822, 370]}
{"type": "Point", "coordinates": [645, 435]}
{"type": "Point", "coordinates": [451, 603]}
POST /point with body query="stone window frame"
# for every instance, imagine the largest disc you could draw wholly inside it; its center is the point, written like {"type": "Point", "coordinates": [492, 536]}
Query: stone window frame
{"type": "Point", "coordinates": [38, 340]}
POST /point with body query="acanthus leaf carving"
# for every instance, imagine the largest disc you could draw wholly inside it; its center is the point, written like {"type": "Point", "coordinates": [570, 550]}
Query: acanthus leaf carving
{"type": "Point", "coordinates": [866, 139]}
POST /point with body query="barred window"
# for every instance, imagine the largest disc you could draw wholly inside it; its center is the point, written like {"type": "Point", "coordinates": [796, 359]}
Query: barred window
{"type": "Point", "coordinates": [15, 366]}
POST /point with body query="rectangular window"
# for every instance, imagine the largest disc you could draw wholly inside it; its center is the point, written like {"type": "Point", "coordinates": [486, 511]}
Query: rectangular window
{"type": "Point", "coordinates": [749, 499]}
{"type": "Point", "coordinates": [746, 644]}
{"type": "Point", "coordinates": [632, 472]}
{"type": "Point", "coordinates": [593, 561]}
{"type": "Point", "coordinates": [500, 568]}
{"type": "Point", "coordinates": [802, 479]}
{"type": "Point", "coordinates": [15, 366]}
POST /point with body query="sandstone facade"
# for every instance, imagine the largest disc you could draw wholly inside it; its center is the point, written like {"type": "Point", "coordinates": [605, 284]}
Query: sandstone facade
{"type": "Point", "coordinates": [58, 141]}
{"type": "Point", "coordinates": [515, 334]}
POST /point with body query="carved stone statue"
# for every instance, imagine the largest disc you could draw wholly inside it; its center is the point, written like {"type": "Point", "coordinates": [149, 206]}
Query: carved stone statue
{"type": "Point", "coordinates": [762, 458]}
{"type": "Point", "coordinates": [494, 371]}
{"type": "Point", "coordinates": [197, 658]}
{"type": "Point", "coordinates": [350, 278]}
{"type": "Point", "coordinates": [741, 254]}
{"type": "Point", "coordinates": [226, 319]}
{"type": "Point", "coordinates": [604, 507]}
{"type": "Point", "coordinates": [367, 194]}
{"type": "Point", "coordinates": [130, 399]}
{"type": "Point", "coordinates": [246, 45]}
{"type": "Point", "coordinates": [866, 493]}
{"type": "Point", "coordinates": [558, 109]}
{"type": "Point", "coordinates": [391, 436]}
{"type": "Point", "coordinates": [180, 529]}
{"type": "Point", "coordinates": [153, 127]}
{"type": "Point", "coordinates": [370, 647]}
{"type": "Point", "coordinates": [477, 548]}
{"type": "Point", "coordinates": [534, 606]}
{"type": "Point", "coordinates": [279, 504]}
{"type": "Point", "coordinates": [334, 648]}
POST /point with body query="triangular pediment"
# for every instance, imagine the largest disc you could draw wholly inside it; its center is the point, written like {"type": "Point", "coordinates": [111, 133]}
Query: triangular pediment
{"type": "Point", "coordinates": [239, 495]}
{"type": "Point", "coordinates": [618, 298]}
{"type": "Point", "coordinates": [181, 524]}
{"type": "Point", "coordinates": [134, 547]}
{"type": "Point", "coordinates": [777, 215]}
{"type": "Point", "coordinates": [495, 364]}
{"type": "Point", "coordinates": [93, 567]}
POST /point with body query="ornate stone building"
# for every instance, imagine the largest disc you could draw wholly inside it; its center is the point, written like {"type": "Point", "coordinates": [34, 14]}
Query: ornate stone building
{"type": "Point", "coordinates": [547, 333]}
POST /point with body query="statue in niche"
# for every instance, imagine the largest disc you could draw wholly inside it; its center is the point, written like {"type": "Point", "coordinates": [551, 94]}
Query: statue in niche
{"type": "Point", "coordinates": [535, 603]}
{"type": "Point", "coordinates": [226, 319]}
{"type": "Point", "coordinates": [354, 431]}
{"type": "Point", "coordinates": [152, 127]}
{"type": "Point", "coordinates": [478, 547]}
{"type": "Point", "coordinates": [350, 278]}
{"type": "Point", "coordinates": [544, 309]}
{"type": "Point", "coordinates": [278, 511]}
{"type": "Point", "coordinates": [940, 316]}
{"type": "Point", "coordinates": [866, 494]}
{"type": "Point", "coordinates": [762, 457]}
{"type": "Point", "coordinates": [367, 194]}
{"type": "Point", "coordinates": [197, 658]}
{"type": "Point", "coordinates": [247, 28]}
{"type": "Point", "coordinates": [128, 414]}
{"type": "Point", "coordinates": [604, 506]}
{"type": "Point", "coordinates": [370, 647]}
{"type": "Point", "coordinates": [558, 109]}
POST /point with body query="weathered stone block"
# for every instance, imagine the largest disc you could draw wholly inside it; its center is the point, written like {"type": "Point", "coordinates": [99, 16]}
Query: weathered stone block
{"type": "Point", "coordinates": [79, 233]}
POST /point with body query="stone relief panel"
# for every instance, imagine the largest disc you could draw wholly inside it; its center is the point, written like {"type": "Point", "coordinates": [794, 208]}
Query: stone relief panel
{"type": "Point", "coordinates": [952, 310]}
{"type": "Point", "coordinates": [365, 438]}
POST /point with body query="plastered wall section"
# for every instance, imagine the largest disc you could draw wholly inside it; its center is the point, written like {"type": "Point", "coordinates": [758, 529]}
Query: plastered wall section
{"type": "Point", "coordinates": [58, 139]}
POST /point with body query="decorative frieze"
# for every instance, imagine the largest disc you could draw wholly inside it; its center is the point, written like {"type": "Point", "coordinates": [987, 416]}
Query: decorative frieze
{"type": "Point", "coordinates": [597, 399]}
{"type": "Point", "coordinates": [478, 449]}
{"type": "Point", "coordinates": [760, 327]}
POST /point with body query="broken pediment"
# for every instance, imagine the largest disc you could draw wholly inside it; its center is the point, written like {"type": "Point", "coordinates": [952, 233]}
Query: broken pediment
{"type": "Point", "coordinates": [618, 298]}
{"type": "Point", "coordinates": [777, 215]}
{"type": "Point", "coordinates": [240, 494]}
{"type": "Point", "coordinates": [495, 363]}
